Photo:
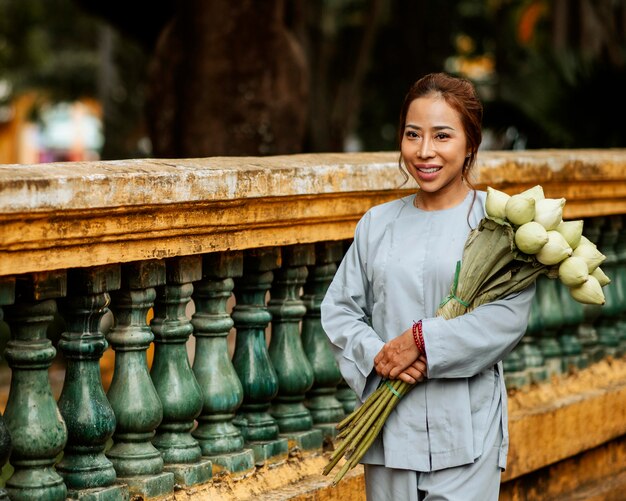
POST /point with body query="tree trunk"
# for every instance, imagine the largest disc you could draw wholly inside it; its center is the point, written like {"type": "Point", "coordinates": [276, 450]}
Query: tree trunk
{"type": "Point", "coordinates": [227, 78]}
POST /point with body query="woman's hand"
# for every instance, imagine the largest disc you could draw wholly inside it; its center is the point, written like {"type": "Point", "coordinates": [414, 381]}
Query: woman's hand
{"type": "Point", "coordinates": [397, 356]}
{"type": "Point", "coordinates": [416, 372]}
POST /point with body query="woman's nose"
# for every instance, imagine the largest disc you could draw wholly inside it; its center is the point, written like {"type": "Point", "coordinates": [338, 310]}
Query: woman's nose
{"type": "Point", "coordinates": [426, 148]}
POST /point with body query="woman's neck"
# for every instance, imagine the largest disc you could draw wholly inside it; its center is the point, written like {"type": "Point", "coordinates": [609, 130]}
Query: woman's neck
{"type": "Point", "coordinates": [441, 199]}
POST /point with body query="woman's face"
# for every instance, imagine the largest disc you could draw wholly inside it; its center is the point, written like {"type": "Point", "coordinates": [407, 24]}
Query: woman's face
{"type": "Point", "coordinates": [434, 146]}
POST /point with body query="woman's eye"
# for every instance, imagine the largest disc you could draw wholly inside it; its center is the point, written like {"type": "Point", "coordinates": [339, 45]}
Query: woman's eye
{"type": "Point", "coordinates": [411, 134]}
{"type": "Point", "coordinates": [441, 136]}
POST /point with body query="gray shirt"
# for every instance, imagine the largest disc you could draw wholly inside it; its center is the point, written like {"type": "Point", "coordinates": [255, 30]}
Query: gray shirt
{"type": "Point", "coordinates": [398, 269]}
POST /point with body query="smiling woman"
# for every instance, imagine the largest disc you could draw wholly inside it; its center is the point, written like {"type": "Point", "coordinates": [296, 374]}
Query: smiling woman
{"type": "Point", "coordinates": [447, 437]}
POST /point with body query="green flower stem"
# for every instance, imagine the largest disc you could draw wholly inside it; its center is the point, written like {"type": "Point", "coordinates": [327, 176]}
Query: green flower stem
{"type": "Point", "coordinates": [356, 414]}
{"type": "Point", "coordinates": [379, 403]}
{"type": "Point", "coordinates": [348, 441]}
{"type": "Point", "coordinates": [378, 409]}
{"type": "Point", "coordinates": [366, 442]}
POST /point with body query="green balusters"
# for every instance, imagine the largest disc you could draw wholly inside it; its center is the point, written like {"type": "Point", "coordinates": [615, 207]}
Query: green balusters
{"type": "Point", "coordinates": [552, 320]}
{"type": "Point", "coordinates": [325, 409]}
{"type": "Point", "coordinates": [619, 282]}
{"type": "Point", "coordinates": [222, 393]}
{"type": "Point", "coordinates": [172, 376]}
{"type": "Point", "coordinates": [573, 315]}
{"type": "Point", "coordinates": [251, 358]}
{"type": "Point", "coordinates": [514, 365]}
{"type": "Point", "coordinates": [83, 404]}
{"type": "Point", "coordinates": [38, 432]}
{"type": "Point", "coordinates": [132, 395]}
{"type": "Point", "coordinates": [587, 332]}
{"type": "Point", "coordinates": [528, 347]}
{"type": "Point", "coordinates": [346, 396]}
{"type": "Point", "coordinates": [7, 296]}
{"type": "Point", "coordinates": [606, 324]}
{"type": "Point", "coordinates": [293, 370]}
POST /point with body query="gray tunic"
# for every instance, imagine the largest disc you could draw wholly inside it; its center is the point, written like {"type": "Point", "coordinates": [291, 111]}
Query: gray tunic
{"type": "Point", "coordinates": [398, 269]}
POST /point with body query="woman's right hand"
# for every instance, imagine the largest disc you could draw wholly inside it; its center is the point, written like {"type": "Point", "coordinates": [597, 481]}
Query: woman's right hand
{"type": "Point", "coordinates": [414, 373]}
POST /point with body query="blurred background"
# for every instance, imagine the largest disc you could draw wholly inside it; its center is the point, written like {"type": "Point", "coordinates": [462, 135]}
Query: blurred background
{"type": "Point", "coordinates": [86, 79]}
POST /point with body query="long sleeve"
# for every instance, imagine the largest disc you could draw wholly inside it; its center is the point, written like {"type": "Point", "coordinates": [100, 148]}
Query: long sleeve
{"type": "Point", "coordinates": [466, 345]}
{"type": "Point", "coordinates": [346, 314]}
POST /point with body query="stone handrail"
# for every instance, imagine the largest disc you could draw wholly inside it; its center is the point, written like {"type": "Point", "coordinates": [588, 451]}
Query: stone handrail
{"type": "Point", "coordinates": [53, 216]}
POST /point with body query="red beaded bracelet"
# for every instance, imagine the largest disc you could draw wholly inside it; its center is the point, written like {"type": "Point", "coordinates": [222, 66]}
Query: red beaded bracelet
{"type": "Point", "coordinates": [418, 336]}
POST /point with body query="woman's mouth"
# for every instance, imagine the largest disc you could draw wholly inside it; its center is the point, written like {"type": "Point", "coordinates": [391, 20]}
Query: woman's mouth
{"type": "Point", "coordinates": [428, 170]}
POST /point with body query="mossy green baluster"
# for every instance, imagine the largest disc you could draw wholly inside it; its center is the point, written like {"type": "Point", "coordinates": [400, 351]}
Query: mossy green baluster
{"type": "Point", "coordinates": [38, 432]}
{"type": "Point", "coordinates": [293, 370]}
{"type": "Point", "coordinates": [251, 358]}
{"type": "Point", "coordinates": [132, 395]}
{"type": "Point", "coordinates": [7, 296]}
{"type": "Point", "coordinates": [83, 404]}
{"type": "Point", "coordinates": [514, 365]}
{"type": "Point", "coordinates": [220, 440]}
{"type": "Point", "coordinates": [619, 282]}
{"type": "Point", "coordinates": [587, 332]}
{"type": "Point", "coordinates": [606, 323]}
{"type": "Point", "coordinates": [172, 376]}
{"type": "Point", "coordinates": [573, 315]}
{"type": "Point", "coordinates": [326, 410]}
{"type": "Point", "coordinates": [528, 347]}
{"type": "Point", "coordinates": [552, 322]}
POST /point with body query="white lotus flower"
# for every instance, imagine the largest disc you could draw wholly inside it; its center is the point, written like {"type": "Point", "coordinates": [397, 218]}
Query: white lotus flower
{"type": "Point", "coordinates": [555, 250]}
{"type": "Point", "coordinates": [549, 212]}
{"type": "Point", "coordinates": [589, 292]}
{"type": "Point", "coordinates": [520, 209]}
{"type": "Point", "coordinates": [590, 253]}
{"type": "Point", "coordinates": [601, 276]}
{"type": "Point", "coordinates": [572, 231]}
{"type": "Point", "coordinates": [536, 193]}
{"type": "Point", "coordinates": [573, 271]}
{"type": "Point", "coordinates": [495, 204]}
{"type": "Point", "coordinates": [531, 237]}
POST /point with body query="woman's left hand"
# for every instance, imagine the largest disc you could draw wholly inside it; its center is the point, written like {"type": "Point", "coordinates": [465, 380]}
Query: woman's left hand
{"type": "Point", "coordinates": [396, 355]}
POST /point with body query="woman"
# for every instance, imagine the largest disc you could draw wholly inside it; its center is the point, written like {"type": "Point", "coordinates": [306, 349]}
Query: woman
{"type": "Point", "coordinates": [448, 438]}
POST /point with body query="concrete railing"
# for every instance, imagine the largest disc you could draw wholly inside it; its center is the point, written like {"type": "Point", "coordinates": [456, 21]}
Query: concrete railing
{"type": "Point", "coordinates": [169, 246]}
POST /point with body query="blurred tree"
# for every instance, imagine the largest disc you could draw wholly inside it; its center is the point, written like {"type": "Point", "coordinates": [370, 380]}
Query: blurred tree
{"type": "Point", "coordinates": [281, 76]}
{"type": "Point", "coordinates": [561, 67]}
{"type": "Point", "coordinates": [224, 78]}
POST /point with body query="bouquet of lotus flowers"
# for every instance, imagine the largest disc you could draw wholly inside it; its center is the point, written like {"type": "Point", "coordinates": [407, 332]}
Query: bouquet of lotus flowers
{"type": "Point", "coordinates": [522, 237]}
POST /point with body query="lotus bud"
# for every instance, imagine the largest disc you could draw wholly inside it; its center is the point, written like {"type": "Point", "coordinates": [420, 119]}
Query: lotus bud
{"type": "Point", "coordinates": [588, 293]}
{"type": "Point", "coordinates": [586, 241]}
{"type": "Point", "coordinates": [495, 204]}
{"type": "Point", "coordinates": [555, 250]}
{"type": "Point", "coordinates": [531, 237]}
{"type": "Point", "coordinates": [536, 193]}
{"type": "Point", "coordinates": [601, 276]}
{"type": "Point", "coordinates": [572, 231]}
{"type": "Point", "coordinates": [590, 253]}
{"type": "Point", "coordinates": [520, 209]}
{"type": "Point", "coordinates": [549, 212]}
{"type": "Point", "coordinates": [573, 271]}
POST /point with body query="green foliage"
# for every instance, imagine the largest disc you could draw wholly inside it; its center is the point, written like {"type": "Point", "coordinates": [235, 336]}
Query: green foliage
{"type": "Point", "coordinates": [49, 45]}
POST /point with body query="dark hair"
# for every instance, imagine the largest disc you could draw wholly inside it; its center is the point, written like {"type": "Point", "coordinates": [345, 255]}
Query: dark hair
{"type": "Point", "coordinates": [461, 95]}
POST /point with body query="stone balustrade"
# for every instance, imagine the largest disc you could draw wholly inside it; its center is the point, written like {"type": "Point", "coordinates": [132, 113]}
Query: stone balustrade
{"type": "Point", "coordinates": [213, 271]}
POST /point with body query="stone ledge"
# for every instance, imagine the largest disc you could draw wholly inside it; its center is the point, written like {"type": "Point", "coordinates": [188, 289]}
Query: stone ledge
{"type": "Point", "coordinates": [562, 418]}
{"type": "Point", "coordinates": [142, 182]}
